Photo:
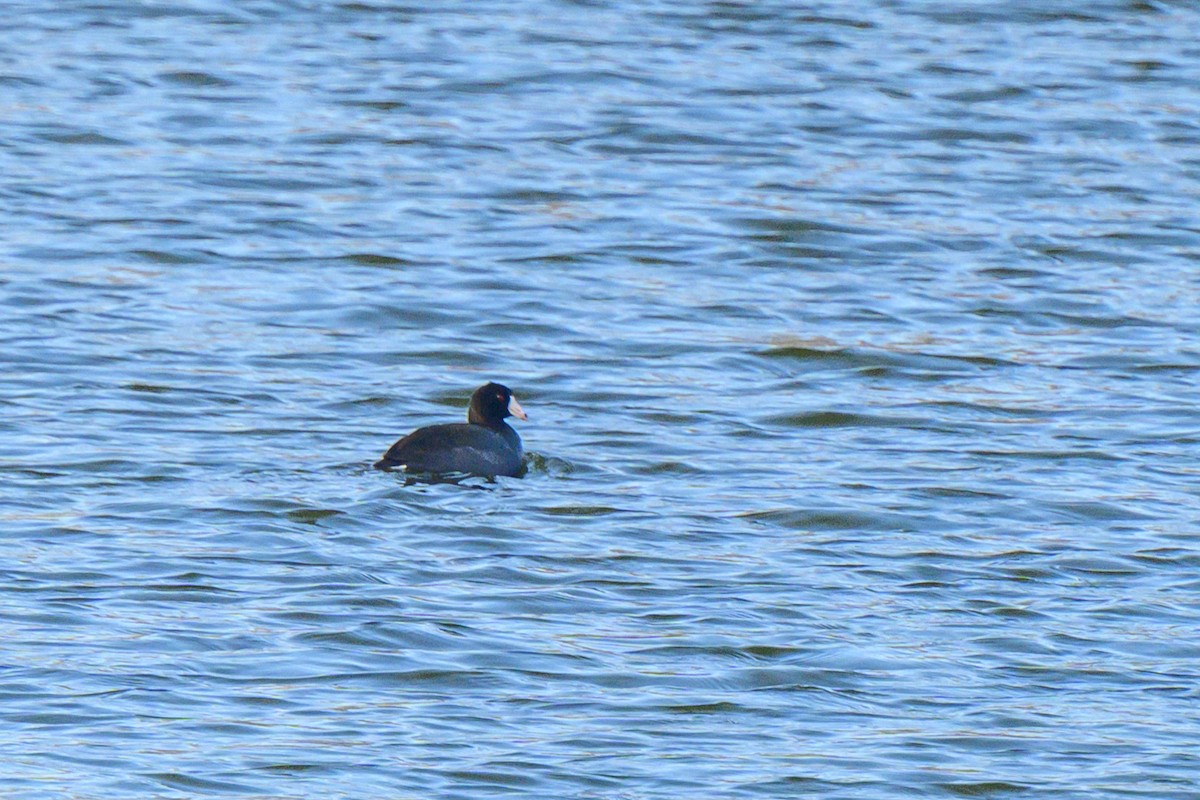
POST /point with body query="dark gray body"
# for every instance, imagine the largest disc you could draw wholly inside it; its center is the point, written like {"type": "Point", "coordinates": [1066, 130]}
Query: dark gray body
{"type": "Point", "coordinates": [458, 447]}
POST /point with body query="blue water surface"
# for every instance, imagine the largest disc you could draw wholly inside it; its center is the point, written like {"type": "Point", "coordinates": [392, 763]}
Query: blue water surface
{"type": "Point", "coordinates": [860, 347]}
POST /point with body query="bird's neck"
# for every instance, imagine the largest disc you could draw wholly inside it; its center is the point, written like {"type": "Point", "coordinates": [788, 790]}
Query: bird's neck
{"type": "Point", "coordinates": [475, 418]}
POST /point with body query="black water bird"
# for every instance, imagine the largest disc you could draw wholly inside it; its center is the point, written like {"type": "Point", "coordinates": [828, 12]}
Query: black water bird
{"type": "Point", "coordinates": [483, 445]}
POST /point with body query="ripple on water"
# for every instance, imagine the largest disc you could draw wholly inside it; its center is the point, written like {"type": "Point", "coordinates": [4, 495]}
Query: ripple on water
{"type": "Point", "coordinates": [861, 449]}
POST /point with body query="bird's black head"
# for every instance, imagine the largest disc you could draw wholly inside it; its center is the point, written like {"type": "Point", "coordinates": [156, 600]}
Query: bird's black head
{"type": "Point", "coordinates": [491, 403]}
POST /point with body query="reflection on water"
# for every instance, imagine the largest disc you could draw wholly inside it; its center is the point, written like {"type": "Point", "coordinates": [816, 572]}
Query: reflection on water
{"type": "Point", "coordinates": [861, 355]}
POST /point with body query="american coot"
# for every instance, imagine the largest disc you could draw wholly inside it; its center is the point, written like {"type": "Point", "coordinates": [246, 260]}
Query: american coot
{"type": "Point", "coordinates": [484, 445]}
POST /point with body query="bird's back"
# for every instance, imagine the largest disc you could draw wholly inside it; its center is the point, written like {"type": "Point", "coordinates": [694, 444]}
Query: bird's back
{"type": "Point", "coordinates": [457, 447]}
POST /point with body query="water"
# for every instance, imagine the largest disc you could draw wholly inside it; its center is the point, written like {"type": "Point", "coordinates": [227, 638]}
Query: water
{"type": "Point", "coordinates": [859, 343]}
